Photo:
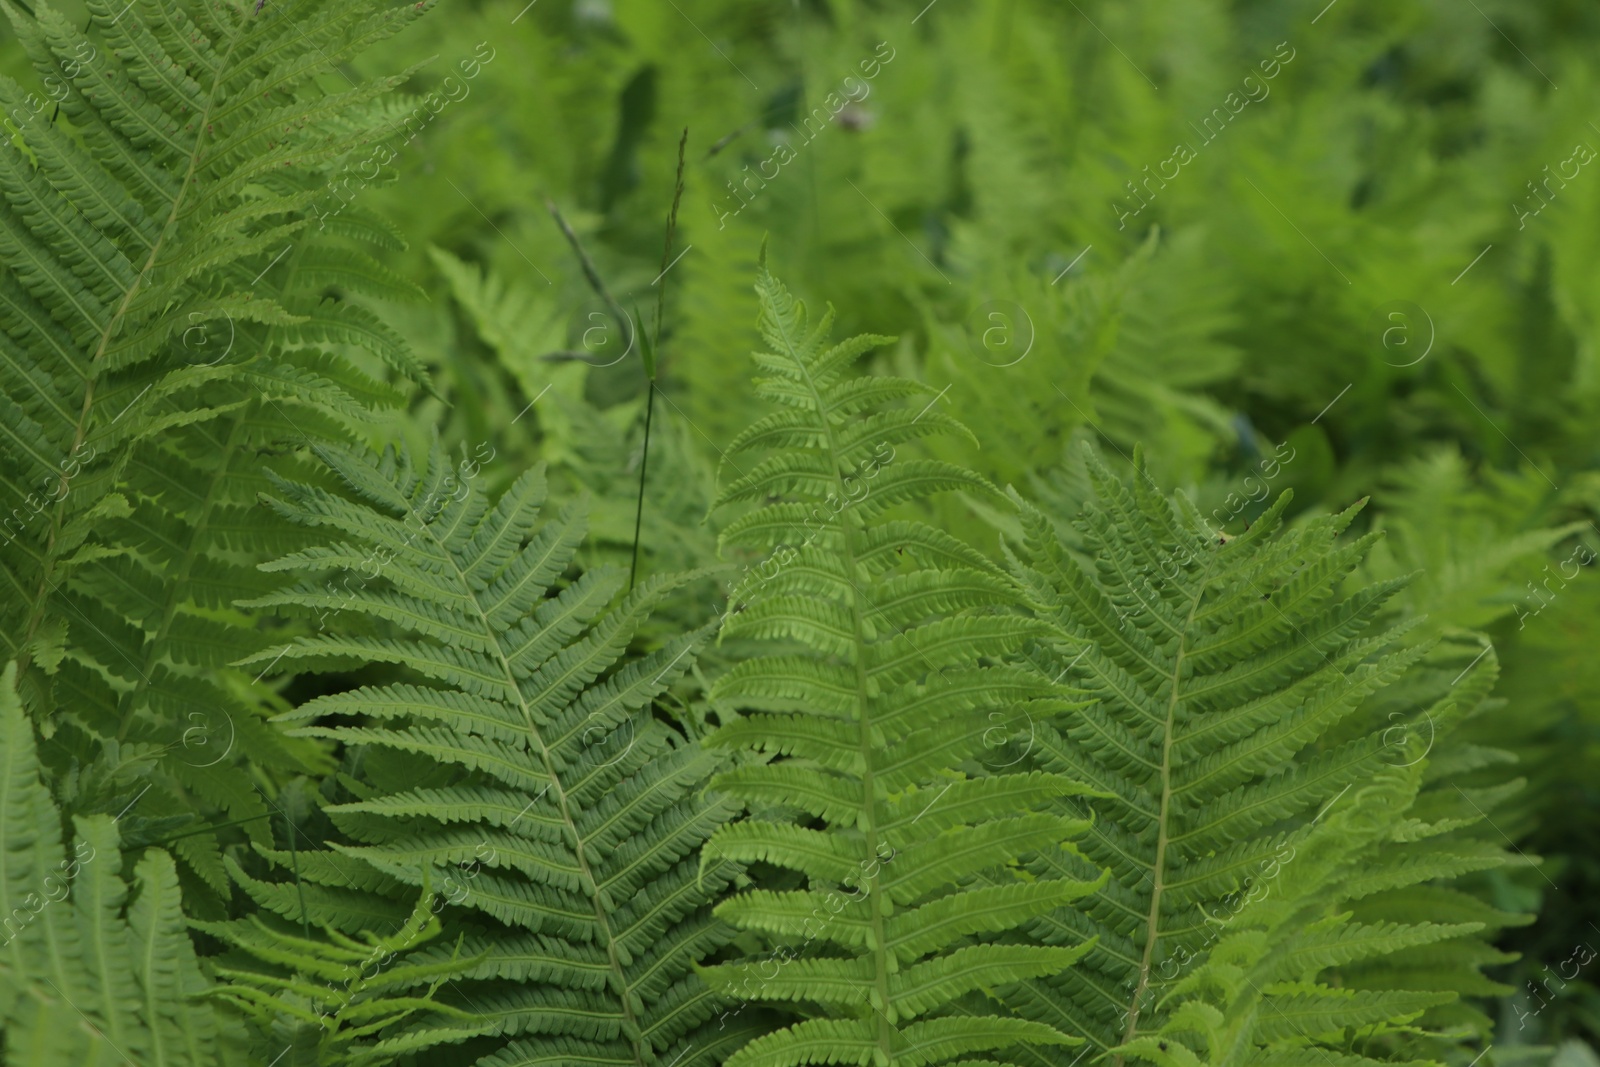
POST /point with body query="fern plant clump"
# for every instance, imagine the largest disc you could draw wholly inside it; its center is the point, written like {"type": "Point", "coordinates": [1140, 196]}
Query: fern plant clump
{"type": "Point", "coordinates": [171, 329]}
{"type": "Point", "coordinates": [425, 643]}
{"type": "Point", "coordinates": [517, 767]}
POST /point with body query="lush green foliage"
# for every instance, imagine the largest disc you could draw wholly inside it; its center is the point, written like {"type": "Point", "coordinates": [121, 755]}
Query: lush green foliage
{"type": "Point", "coordinates": [512, 676]}
{"type": "Point", "coordinates": [525, 768]}
{"type": "Point", "coordinates": [872, 698]}
{"type": "Point", "coordinates": [1222, 670]}
{"type": "Point", "coordinates": [146, 373]}
{"type": "Point", "coordinates": [88, 976]}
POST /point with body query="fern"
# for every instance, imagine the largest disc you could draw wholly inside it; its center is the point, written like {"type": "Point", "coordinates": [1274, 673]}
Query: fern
{"type": "Point", "coordinates": [124, 237]}
{"type": "Point", "coordinates": [1223, 671]}
{"type": "Point", "coordinates": [90, 976]}
{"type": "Point", "coordinates": [519, 766]}
{"type": "Point", "coordinates": [878, 702]}
{"type": "Point", "coordinates": [166, 318]}
{"type": "Point", "coordinates": [331, 999]}
{"type": "Point", "coordinates": [1255, 997]}
{"type": "Point", "coordinates": [588, 448]}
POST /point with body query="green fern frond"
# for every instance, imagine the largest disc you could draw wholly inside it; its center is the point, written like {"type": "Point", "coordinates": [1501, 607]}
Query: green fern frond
{"type": "Point", "coordinates": [341, 993]}
{"type": "Point", "coordinates": [167, 317]}
{"type": "Point", "coordinates": [143, 222]}
{"type": "Point", "coordinates": [560, 819]}
{"type": "Point", "coordinates": [874, 705]}
{"type": "Point", "coordinates": [1236, 684]}
{"type": "Point", "coordinates": [1256, 997]}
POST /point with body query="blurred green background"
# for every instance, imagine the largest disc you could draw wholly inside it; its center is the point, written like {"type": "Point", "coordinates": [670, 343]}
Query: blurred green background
{"type": "Point", "coordinates": [1347, 248]}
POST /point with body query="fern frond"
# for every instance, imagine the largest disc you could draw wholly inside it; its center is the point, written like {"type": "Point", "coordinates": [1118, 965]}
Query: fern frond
{"type": "Point", "coordinates": [1236, 684]}
{"type": "Point", "coordinates": [880, 724]}
{"type": "Point", "coordinates": [339, 991]}
{"type": "Point", "coordinates": [167, 318]}
{"type": "Point", "coordinates": [560, 819]}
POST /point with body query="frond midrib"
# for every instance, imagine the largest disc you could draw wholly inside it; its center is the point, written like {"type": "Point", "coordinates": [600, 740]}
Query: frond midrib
{"type": "Point", "coordinates": [880, 961]}
{"type": "Point", "coordinates": [624, 995]}
{"type": "Point", "coordinates": [92, 375]}
{"type": "Point", "coordinates": [1153, 927]}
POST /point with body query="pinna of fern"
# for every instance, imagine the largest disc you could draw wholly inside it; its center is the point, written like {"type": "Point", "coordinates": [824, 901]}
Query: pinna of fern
{"type": "Point", "coordinates": [515, 761]}
{"type": "Point", "coordinates": [168, 319]}
{"type": "Point", "coordinates": [1226, 672]}
{"type": "Point", "coordinates": [871, 711]}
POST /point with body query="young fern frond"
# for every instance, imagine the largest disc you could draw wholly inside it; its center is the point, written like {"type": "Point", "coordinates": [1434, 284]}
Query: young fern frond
{"type": "Point", "coordinates": [873, 707]}
{"type": "Point", "coordinates": [517, 764]}
{"type": "Point", "coordinates": [1274, 983]}
{"type": "Point", "coordinates": [1223, 671]}
{"type": "Point", "coordinates": [1254, 997]}
{"type": "Point", "coordinates": [85, 975]}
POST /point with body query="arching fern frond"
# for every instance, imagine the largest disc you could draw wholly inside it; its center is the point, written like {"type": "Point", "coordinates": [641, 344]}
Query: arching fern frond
{"type": "Point", "coordinates": [516, 763]}
{"type": "Point", "coordinates": [1257, 997]}
{"type": "Point", "coordinates": [1236, 680]}
{"type": "Point", "coordinates": [874, 704]}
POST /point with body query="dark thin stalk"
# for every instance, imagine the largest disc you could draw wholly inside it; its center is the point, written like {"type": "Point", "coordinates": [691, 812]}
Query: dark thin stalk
{"type": "Point", "coordinates": [638, 513]}
{"type": "Point", "coordinates": [650, 351]}
{"type": "Point", "coordinates": [589, 272]}
{"type": "Point", "coordinates": [635, 327]}
{"type": "Point", "coordinates": [672, 230]}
